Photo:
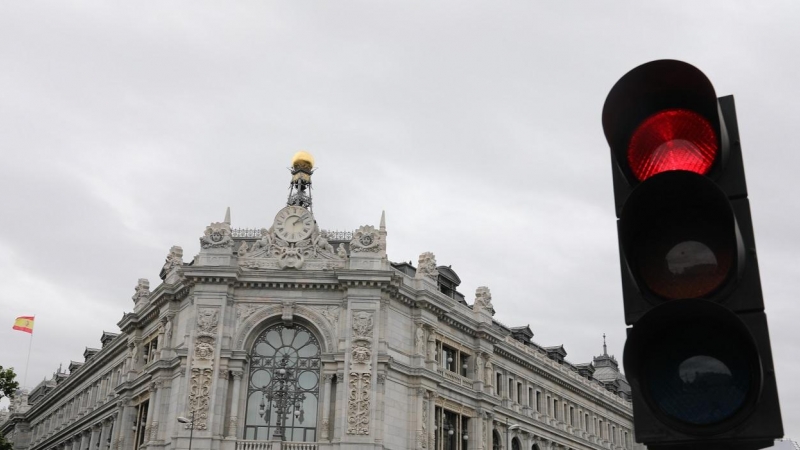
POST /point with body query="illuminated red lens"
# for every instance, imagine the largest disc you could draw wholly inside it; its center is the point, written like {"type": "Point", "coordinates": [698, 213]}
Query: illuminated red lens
{"type": "Point", "coordinates": [673, 139]}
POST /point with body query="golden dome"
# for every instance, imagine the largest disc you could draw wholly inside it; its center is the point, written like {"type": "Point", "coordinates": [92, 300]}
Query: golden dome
{"type": "Point", "coordinates": [302, 160]}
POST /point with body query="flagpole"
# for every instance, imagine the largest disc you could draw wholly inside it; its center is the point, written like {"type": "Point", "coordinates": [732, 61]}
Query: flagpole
{"type": "Point", "coordinates": [28, 360]}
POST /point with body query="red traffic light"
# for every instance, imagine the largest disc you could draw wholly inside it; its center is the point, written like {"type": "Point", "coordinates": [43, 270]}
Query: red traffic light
{"type": "Point", "coordinates": [673, 139]}
{"type": "Point", "coordinates": [663, 116]}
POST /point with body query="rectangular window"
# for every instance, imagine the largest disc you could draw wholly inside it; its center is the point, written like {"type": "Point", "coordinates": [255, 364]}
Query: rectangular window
{"type": "Point", "coordinates": [530, 396]}
{"type": "Point", "coordinates": [585, 422]}
{"type": "Point", "coordinates": [549, 411]}
{"type": "Point", "coordinates": [538, 402]}
{"type": "Point", "coordinates": [141, 424]}
{"type": "Point", "coordinates": [555, 409]}
{"type": "Point", "coordinates": [572, 416]}
{"type": "Point", "coordinates": [463, 364]}
{"type": "Point", "coordinates": [510, 388]}
{"type": "Point", "coordinates": [499, 384]}
{"type": "Point", "coordinates": [519, 392]}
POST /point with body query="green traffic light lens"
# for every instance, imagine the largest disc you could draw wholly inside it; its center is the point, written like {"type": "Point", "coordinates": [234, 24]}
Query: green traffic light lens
{"type": "Point", "coordinates": [696, 377]}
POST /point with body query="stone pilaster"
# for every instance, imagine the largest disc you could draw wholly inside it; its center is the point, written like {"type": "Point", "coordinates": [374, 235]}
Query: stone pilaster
{"type": "Point", "coordinates": [94, 437]}
{"type": "Point", "coordinates": [233, 425]}
{"type": "Point", "coordinates": [154, 409]}
{"type": "Point", "coordinates": [326, 407]}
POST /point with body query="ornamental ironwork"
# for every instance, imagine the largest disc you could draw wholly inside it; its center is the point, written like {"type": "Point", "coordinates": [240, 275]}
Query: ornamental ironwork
{"type": "Point", "coordinates": [283, 388]}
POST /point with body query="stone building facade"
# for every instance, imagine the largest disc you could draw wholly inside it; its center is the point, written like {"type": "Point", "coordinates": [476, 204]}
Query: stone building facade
{"type": "Point", "coordinates": [296, 338]}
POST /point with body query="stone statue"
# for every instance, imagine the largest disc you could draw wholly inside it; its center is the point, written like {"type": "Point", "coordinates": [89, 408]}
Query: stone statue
{"type": "Point", "coordinates": [174, 259]}
{"type": "Point", "coordinates": [427, 266]}
{"type": "Point", "coordinates": [420, 336]}
{"type": "Point", "coordinates": [322, 244]}
{"type": "Point", "coordinates": [488, 372]}
{"type": "Point", "coordinates": [168, 331]}
{"type": "Point", "coordinates": [431, 346]}
{"type": "Point", "coordinates": [483, 300]}
{"type": "Point", "coordinates": [341, 252]}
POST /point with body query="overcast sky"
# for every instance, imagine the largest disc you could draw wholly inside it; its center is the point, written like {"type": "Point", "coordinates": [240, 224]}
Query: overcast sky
{"type": "Point", "coordinates": [127, 127]}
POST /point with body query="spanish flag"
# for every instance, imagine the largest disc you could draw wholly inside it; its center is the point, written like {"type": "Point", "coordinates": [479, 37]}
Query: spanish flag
{"type": "Point", "coordinates": [24, 323]}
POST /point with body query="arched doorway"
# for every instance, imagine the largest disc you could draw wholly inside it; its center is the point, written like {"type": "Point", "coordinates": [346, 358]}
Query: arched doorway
{"type": "Point", "coordinates": [496, 441]}
{"type": "Point", "coordinates": [283, 385]}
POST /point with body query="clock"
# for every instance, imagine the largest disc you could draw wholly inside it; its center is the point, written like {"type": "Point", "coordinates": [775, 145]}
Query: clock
{"type": "Point", "coordinates": [293, 224]}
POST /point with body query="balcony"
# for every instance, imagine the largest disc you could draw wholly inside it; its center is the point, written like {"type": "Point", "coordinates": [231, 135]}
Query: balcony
{"type": "Point", "coordinates": [275, 445]}
{"type": "Point", "coordinates": [455, 378]}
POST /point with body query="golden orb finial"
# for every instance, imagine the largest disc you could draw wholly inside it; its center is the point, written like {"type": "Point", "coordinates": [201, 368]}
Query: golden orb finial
{"type": "Point", "coordinates": [302, 160]}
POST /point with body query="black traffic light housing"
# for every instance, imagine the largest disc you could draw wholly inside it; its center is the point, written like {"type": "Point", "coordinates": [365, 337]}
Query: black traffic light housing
{"type": "Point", "coordinates": [688, 263]}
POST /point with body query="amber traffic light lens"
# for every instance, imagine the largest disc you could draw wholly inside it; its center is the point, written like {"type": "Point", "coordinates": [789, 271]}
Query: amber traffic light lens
{"type": "Point", "coordinates": [679, 236]}
{"type": "Point", "coordinates": [672, 139]}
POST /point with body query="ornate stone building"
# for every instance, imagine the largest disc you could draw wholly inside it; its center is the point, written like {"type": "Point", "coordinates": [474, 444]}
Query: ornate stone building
{"type": "Point", "coordinates": [297, 338]}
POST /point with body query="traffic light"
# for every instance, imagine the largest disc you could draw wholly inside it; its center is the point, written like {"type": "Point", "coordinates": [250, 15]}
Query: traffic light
{"type": "Point", "coordinates": [698, 356]}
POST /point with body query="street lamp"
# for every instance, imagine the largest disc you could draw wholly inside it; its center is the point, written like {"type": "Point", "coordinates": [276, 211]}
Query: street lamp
{"type": "Point", "coordinates": [508, 433]}
{"type": "Point", "coordinates": [183, 419]}
{"type": "Point", "coordinates": [283, 395]}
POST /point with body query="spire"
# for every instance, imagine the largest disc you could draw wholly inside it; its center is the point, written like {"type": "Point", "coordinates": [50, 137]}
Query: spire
{"type": "Point", "coordinates": [228, 216]}
{"type": "Point", "coordinates": [300, 186]}
{"type": "Point", "coordinates": [605, 352]}
{"type": "Point", "coordinates": [383, 220]}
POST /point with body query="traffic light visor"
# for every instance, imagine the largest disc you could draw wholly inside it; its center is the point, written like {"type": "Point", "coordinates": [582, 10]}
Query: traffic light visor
{"type": "Point", "coordinates": [678, 233]}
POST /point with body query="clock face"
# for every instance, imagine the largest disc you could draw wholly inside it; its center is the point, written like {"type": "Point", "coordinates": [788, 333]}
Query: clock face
{"type": "Point", "coordinates": [294, 223]}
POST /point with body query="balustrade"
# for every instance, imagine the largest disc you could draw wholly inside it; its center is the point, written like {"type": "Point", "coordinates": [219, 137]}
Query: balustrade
{"type": "Point", "coordinates": [275, 445]}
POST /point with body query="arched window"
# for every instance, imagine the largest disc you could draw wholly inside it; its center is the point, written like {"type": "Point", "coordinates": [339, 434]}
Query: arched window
{"type": "Point", "coordinates": [515, 445]}
{"type": "Point", "coordinates": [535, 447]}
{"type": "Point", "coordinates": [496, 439]}
{"type": "Point", "coordinates": [283, 387]}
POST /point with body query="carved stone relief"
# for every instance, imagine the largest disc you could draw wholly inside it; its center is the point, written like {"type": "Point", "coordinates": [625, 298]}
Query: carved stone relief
{"type": "Point", "coordinates": [203, 365]}
{"type": "Point", "coordinates": [367, 239]}
{"type": "Point", "coordinates": [272, 252]}
{"type": "Point", "coordinates": [358, 405]}
{"type": "Point", "coordinates": [217, 235]}
{"type": "Point", "coordinates": [254, 314]}
{"type": "Point", "coordinates": [424, 432]}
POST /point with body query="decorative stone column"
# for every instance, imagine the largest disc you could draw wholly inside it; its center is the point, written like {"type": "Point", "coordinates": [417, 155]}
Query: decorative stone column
{"type": "Point", "coordinates": [326, 407]}
{"type": "Point", "coordinates": [150, 409]}
{"type": "Point", "coordinates": [103, 443]}
{"type": "Point", "coordinates": [94, 437]}
{"type": "Point", "coordinates": [124, 432]}
{"type": "Point", "coordinates": [422, 418]}
{"type": "Point", "coordinates": [233, 425]}
{"type": "Point", "coordinates": [153, 410]}
{"type": "Point", "coordinates": [381, 396]}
